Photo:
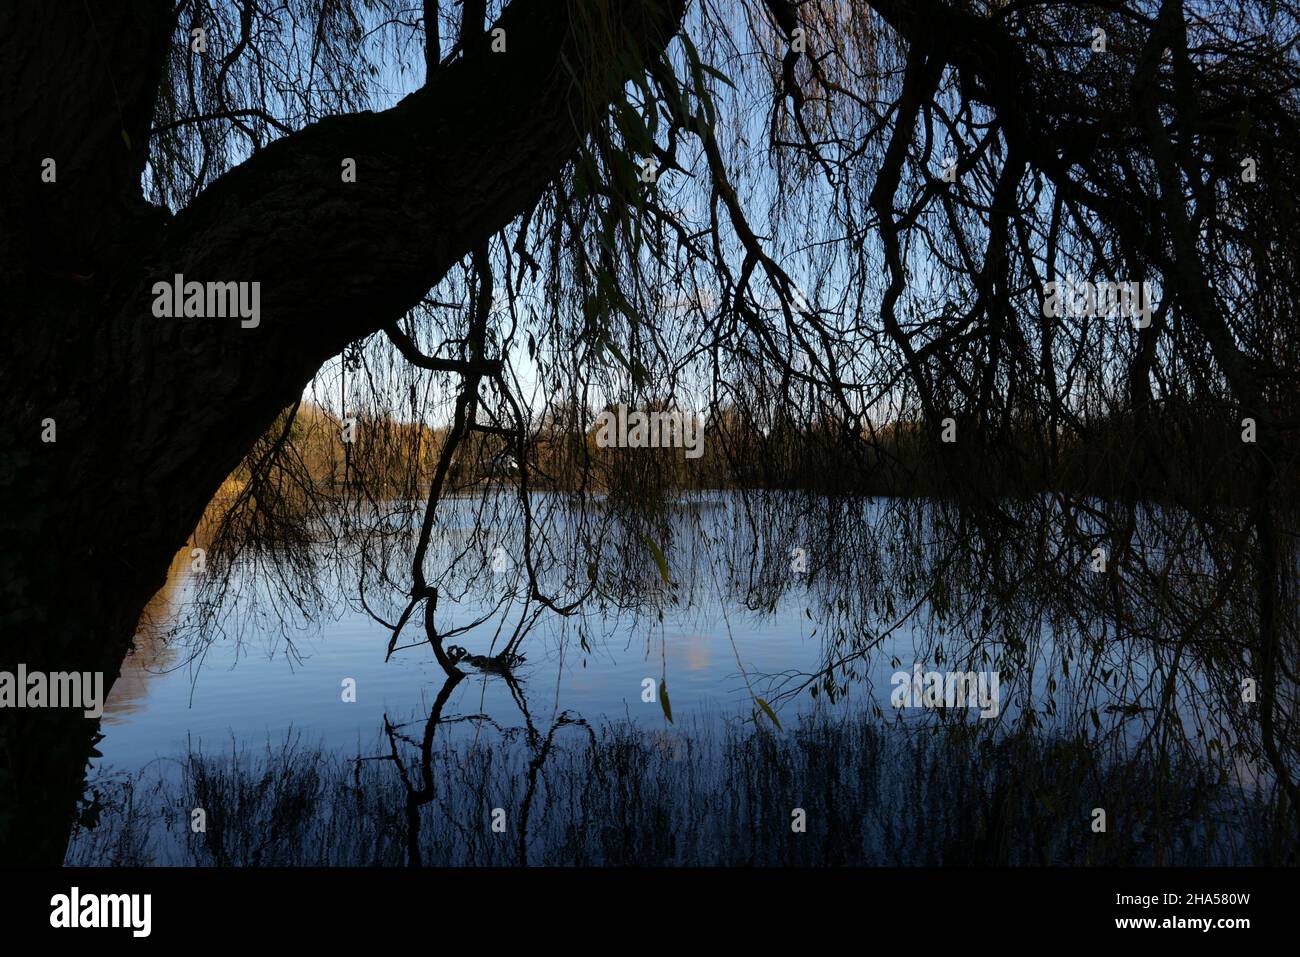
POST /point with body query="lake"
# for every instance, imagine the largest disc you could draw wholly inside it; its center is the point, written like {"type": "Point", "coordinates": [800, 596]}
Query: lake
{"type": "Point", "coordinates": [734, 625]}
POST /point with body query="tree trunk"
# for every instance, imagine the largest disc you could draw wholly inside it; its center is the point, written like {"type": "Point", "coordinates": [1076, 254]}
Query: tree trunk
{"type": "Point", "coordinates": [151, 414]}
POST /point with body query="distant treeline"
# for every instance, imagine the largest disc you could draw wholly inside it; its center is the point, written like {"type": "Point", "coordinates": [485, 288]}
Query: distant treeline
{"type": "Point", "coordinates": [1172, 452]}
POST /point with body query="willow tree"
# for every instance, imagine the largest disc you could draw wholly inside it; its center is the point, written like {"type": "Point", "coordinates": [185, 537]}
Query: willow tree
{"type": "Point", "coordinates": [826, 224]}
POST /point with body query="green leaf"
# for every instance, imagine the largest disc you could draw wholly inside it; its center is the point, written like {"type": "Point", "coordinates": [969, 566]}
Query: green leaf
{"type": "Point", "coordinates": [767, 709]}
{"type": "Point", "coordinates": [663, 700]}
{"type": "Point", "coordinates": [697, 74]}
{"type": "Point", "coordinates": [617, 353]}
{"type": "Point", "coordinates": [717, 74]}
{"type": "Point", "coordinates": [126, 138]}
{"type": "Point", "coordinates": [658, 554]}
{"type": "Point", "coordinates": [630, 123]}
{"type": "Point", "coordinates": [611, 294]}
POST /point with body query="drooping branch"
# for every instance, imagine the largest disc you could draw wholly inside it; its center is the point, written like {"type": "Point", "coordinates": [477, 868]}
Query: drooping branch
{"type": "Point", "coordinates": [432, 43]}
{"type": "Point", "coordinates": [337, 259]}
{"type": "Point", "coordinates": [412, 354]}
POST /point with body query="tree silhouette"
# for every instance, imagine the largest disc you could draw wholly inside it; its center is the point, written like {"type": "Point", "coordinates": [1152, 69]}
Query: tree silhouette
{"type": "Point", "coordinates": [841, 229]}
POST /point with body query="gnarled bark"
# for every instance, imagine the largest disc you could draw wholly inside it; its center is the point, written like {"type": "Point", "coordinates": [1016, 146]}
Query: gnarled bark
{"type": "Point", "coordinates": [152, 414]}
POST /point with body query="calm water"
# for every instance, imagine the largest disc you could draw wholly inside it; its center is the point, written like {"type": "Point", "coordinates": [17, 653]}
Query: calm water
{"type": "Point", "coordinates": [168, 699]}
{"type": "Point", "coordinates": [716, 654]}
{"type": "Point", "coordinates": [272, 677]}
